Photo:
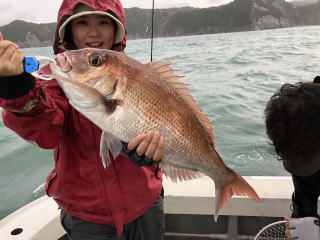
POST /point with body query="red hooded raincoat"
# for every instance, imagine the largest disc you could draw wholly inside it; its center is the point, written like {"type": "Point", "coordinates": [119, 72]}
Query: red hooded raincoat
{"type": "Point", "coordinates": [79, 183]}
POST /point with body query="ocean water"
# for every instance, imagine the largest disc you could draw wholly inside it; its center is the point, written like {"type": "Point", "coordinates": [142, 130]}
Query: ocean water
{"type": "Point", "coordinates": [231, 75]}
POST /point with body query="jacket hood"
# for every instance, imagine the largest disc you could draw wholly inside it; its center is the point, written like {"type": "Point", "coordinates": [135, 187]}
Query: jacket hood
{"type": "Point", "coordinates": [67, 9]}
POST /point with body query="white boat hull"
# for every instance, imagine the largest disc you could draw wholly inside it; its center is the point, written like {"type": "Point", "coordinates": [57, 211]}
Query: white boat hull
{"type": "Point", "coordinates": [40, 219]}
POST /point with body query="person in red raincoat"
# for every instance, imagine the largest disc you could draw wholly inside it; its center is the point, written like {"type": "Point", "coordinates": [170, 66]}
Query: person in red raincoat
{"type": "Point", "coordinates": [123, 201]}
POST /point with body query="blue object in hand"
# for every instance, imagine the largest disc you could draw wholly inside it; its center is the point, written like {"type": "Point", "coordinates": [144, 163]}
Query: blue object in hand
{"type": "Point", "coordinates": [30, 64]}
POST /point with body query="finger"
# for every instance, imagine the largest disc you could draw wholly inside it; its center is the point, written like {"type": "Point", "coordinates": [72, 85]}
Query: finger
{"type": "Point", "coordinates": [6, 65]}
{"type": "Point", "coordinates": [288, 235]}
{"type": "Point", "coordinates": [152, 145]}
{"type": "Point", "coordinates": [287, 221]}
{"type": "Point", "coordinates": [136, 141]}
{"type": "Point", "coordinates": [17, 60]}
{"type": "Point", "coordinates": [141, 149]}
{"type": "Point", "coordinates": [288, 218]}
{"type": "Point", "coordinates": [5, 43]}
{"type": "Point", "coordinates": [1, 36]}
{"type": "Point", "coordinates": [160, 150]}
{"type": "Point", "coordinates": [15, 45]}
{"type": "Point", "coordinates": [287, 225]}
{"type": "Point", "coordinates": [7, 53]}
{"type": "Point", "coordinates": [3, 46]}
{"type": "Point", "coordinates": [16, 55]}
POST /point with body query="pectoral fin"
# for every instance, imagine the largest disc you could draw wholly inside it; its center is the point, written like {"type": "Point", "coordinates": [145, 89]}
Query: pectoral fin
{"type": "Point", "coordinates": [109, 143]}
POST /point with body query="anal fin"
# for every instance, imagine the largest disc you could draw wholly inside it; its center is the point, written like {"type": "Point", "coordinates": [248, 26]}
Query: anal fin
{"type": "Point", "coordinates": [181, 174]}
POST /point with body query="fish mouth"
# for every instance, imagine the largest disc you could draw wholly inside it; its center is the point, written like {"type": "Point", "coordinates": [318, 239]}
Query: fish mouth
{"type": "Point", "coordinates": [76, 61]}
{"type": "Point", "coordinates": [63, 64]}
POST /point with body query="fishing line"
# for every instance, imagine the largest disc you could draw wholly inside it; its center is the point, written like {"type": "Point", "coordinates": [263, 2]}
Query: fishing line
{"type": "Point", "coordinates": [152, 19]}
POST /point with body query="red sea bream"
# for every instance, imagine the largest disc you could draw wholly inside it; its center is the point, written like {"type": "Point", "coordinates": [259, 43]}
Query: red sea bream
{"type": "Point", "coordinates": [125, 98]}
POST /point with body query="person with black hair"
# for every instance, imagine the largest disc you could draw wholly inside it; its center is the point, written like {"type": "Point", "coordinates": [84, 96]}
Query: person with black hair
{"type": "Point", "coordinates": [292, 119]}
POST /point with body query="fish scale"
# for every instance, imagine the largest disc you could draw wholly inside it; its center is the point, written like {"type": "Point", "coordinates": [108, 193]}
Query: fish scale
{"type": "Point", "coordinates": [154, 118]}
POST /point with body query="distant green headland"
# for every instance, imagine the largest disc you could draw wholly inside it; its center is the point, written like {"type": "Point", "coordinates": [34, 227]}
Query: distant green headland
{"type": "Point", "coordinates": [239, 15]}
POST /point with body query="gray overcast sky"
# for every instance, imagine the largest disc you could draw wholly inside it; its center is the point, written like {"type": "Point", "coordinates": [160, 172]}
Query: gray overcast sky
{"type": "Point", "coordinates": [43, 11]}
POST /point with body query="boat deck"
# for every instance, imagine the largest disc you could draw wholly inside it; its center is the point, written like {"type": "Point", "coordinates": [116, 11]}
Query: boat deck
{"type": "Point", "coordinates": [189, 208]}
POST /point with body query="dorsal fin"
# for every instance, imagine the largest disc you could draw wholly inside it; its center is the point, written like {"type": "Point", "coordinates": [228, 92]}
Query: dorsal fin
{"type": "Point", "coordinates": [166, 73]}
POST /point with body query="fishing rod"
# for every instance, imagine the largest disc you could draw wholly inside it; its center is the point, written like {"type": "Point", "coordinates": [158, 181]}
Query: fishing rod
{"type": "Point", "coordinates": [152, 23]}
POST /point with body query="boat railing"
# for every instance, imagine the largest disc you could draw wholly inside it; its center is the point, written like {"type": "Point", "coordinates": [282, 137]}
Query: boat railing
{"type": "Point", "coordinates": [189, 209]}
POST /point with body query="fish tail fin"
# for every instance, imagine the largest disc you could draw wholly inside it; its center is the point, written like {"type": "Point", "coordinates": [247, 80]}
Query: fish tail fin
{"type": "Point", "coordinates": [237, 186]}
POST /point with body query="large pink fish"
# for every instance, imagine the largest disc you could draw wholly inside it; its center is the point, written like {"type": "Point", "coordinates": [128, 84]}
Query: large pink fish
{"type": "Point", "coordinates": [125, 98]}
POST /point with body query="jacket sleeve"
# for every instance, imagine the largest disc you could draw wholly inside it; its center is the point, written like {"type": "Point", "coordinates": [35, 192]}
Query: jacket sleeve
{"type": "Point", "coordinates": [35, 109]}
{"type": "Point", "coordinates": [16, 86]}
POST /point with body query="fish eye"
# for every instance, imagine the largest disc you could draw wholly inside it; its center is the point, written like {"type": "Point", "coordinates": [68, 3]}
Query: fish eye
{"type": "Point", "coordinates": [96, 60]}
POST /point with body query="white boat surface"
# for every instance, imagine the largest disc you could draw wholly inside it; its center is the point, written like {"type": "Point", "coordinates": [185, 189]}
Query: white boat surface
{"type": "Point", "coordinates": [189, 208]}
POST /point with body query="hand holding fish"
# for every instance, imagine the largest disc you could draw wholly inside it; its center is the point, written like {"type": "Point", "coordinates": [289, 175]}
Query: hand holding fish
{"type": "Point", "coordinates": [11, 58]}
{"type": "Point", "coordinates": [150, 144]}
